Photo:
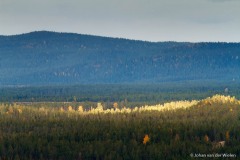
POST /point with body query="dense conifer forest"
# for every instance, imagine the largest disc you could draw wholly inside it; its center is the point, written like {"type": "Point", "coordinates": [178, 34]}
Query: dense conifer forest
{"type": "Point", "coordinates": [174, 130]}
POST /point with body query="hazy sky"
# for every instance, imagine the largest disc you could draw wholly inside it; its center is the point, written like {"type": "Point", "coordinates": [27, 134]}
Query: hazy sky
{"type": "Point", "coordinates": [152, 20]}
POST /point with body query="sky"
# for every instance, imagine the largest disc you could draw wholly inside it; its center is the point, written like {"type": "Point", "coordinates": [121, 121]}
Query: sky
{"type": "Point", "coordinates": [149, 20]}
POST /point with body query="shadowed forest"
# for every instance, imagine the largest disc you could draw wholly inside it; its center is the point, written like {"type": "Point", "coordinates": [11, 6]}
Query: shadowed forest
{"type": "Point", "coordinates": [172, 130]}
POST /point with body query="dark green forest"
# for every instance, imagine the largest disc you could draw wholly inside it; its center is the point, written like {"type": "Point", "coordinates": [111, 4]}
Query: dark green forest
{"type": "Point", "coordinates": [210, 128]}
{"type": "Point", "coordinates": [126, 94]}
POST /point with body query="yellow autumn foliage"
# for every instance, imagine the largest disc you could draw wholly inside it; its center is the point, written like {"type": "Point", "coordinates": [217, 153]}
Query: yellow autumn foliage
{"type": "Point", "coordinates": [70, 108]}
{"type": "Point", "coordinates": [146, 139]}
{"type": "Point", "coordinates": [80, 109]}
{"type": "Point", "coordinates": [206, 138]}
{"type": "Point", "coordinates": [160, 107]}
{"type": "Point", "coordinates": [168, 106]}
{"type": "Point", "coordinates": [61, 109]}
{"type": "Point", "coordinates": [222, 99]}
{"type": "Point", "coordinates": [227, 136]}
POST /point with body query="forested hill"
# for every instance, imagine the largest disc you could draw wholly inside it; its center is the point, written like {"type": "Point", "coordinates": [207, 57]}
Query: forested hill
{"type": "Point", "coordinates": [47, 58]}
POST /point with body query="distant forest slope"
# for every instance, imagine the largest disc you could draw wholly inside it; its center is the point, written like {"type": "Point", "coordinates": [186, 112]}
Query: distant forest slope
{"type": "Point", "coordinates": [50, 58]}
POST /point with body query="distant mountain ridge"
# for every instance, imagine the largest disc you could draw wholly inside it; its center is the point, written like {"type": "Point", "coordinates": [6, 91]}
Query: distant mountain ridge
{"type": "Point", "coordinates": [51, 58]}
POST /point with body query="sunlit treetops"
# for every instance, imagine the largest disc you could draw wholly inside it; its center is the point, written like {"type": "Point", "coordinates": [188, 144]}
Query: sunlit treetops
{"type": "Point", "coordinates": [216, 99]}
{"type": "Point", "coordinates": [221, 99]}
